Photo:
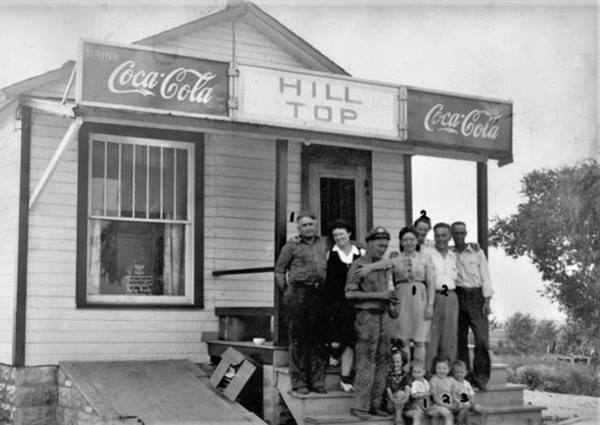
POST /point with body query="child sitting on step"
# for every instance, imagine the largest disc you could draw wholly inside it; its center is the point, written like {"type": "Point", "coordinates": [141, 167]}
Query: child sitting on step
{"type": "Point", "coordinates": [420, 394]}
{"type": "Point", "coordinates": [397, 386]}
{"type": "Point", "coordinates": [462, 393]}
{"type": "Point", "coordinates": [441, 392]}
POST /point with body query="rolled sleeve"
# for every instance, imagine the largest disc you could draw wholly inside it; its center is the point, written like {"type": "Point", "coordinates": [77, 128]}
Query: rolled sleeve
{"type": "Point", "coordinates": [352, 281]}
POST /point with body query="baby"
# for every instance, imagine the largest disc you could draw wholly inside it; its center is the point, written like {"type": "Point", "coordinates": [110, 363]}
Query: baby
{"type": "Point", "coordinates": [397, 386]}
{"type": "Point", "coordinates": [462, 393]}
{"type": "Point", "coordinates": [441, 392]}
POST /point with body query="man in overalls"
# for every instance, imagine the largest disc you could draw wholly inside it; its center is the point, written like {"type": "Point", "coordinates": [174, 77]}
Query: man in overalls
{"type": "Point", "coordinates": [371, 298]}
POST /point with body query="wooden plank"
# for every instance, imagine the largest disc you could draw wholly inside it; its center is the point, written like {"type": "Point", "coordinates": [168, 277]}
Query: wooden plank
{"type": "Point", "coordinates": [196, 325]}
{"type": "Point", "coordinates": [142, 350]}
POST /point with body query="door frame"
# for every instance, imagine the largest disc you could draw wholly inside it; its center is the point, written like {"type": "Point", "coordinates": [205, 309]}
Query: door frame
{"type": "Point", "coordinates": [333, 161]}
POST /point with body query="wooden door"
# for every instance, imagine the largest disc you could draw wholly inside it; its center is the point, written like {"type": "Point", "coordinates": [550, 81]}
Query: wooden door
{"type": "Point", "coordinates": [339, 192]}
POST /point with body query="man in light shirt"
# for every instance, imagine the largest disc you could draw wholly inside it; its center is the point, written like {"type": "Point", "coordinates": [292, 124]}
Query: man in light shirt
{"type": "Point", "coordinates": [474, 290]}
{"type": "Point", "coordinates": [442, 273]}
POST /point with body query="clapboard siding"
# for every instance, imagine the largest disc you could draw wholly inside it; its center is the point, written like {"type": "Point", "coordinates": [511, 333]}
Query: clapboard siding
{"type": "Point", "coordinates": [216, 42]}
{"type": "Point", "coordinates": [55, 327]}
{"type": "Point", "coordinates": [10, 144]}
{"type": "Point", "coordinates": [239, 209]}
{"type": "Point", "coordinates": [388, 193]}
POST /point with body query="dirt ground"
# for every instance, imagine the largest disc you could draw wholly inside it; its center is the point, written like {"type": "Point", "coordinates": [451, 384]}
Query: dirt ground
{"type": "Point", "coordinates": [565, 408]}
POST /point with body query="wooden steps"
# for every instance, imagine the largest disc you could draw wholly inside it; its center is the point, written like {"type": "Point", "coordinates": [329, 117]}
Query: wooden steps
{"type": "Point", "coordinates": [502, 403]}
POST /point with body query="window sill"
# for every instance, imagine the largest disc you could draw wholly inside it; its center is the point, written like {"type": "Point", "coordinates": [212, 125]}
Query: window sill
{"type": "Point", "coordinates": [139, 306]}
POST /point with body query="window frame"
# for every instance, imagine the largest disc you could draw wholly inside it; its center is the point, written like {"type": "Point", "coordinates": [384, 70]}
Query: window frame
{"type": "Point", "coordinates": [196, 298]}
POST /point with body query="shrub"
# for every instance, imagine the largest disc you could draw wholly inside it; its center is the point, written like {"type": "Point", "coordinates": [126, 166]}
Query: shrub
{"type": "Point", "coordinates": [564, 379]}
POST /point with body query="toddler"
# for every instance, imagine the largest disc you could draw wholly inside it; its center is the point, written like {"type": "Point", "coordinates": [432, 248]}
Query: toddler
{"type": "Point", "coordinates": [441, 392]}
{"type": "Point", "coordinates": [462, 393]}
{"type": "Point", "coordinates": [420, 392]}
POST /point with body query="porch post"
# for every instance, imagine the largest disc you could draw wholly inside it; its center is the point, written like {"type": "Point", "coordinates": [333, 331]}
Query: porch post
{"type": "Point", "coordinates": [408, 197]}
{"type": "Point", "coordinates": [482, 206]}
{"type": "Point", "coordinates": [281, 188]}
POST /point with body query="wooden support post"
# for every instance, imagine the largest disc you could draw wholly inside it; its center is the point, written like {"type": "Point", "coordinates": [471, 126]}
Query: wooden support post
{"type": "Point", "coordinates": [23, 244]}
{"type": "Point", "coordinates": [281, 188]}
{"type": "Point", "coordinates": [408, 198]}
{"type": "Point", "coordinates": [482, 206]}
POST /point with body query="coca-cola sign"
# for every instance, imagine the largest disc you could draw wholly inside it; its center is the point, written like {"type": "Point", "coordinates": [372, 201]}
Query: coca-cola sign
{"type": "Point", "coordinates": [138, 78]}
{"type": "Point", "coordinates": [470, 124]}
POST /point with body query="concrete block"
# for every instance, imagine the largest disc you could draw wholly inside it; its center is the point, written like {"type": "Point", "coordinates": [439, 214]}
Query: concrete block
{"type": "Point", "coordinates": [38, 415]}
{"type": "Point", "coordinates": [6, 373]}
{"type": "Point", "coordinates": [35, 396]}
{"type": "Point", "coordinates": [35, 375]}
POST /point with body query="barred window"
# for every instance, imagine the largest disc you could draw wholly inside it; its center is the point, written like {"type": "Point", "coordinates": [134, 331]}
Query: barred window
{"type": "Point", "coordinates": [140, 220]}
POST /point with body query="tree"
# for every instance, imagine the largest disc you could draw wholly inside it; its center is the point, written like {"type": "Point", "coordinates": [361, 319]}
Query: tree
{"type": "Point", "coordinates": [573, 338]}
{"type": "Point", "coordinates": [545, 336]}
{"type": "Point", "coordinates": [558, 228]}
{"type": "Point", "coordinates": [519, 329]}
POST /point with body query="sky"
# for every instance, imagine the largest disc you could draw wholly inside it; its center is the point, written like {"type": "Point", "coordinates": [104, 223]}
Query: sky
{"type": "Point", "coordinates": [541, 55]}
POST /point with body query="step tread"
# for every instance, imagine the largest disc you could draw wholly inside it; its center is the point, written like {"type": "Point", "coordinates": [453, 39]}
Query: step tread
{"type": "Point", "coordinates": [328, 394]}
{"type": "Point", "coordinates": [335, 418]}
{"type": "Point", "coordinates": [512, 409]}
{"type": "Point", "coordinates": [502, 387]}
{"type": "Point", "coordinates": [332, 369]}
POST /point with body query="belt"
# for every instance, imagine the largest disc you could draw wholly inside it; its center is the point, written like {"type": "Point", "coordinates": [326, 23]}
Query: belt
{"type": "Point", "coordinates": [463, 289]}
{"type": "Point", "coordinates": [308, 284]}
{"type": "Point", "coordinates": [444, 291]}
{"type": "Point", "coordinates": [399, 282]}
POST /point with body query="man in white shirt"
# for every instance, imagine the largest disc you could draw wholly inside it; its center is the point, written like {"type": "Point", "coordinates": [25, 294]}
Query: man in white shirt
{"type": "Point", "coordinates": [474, 290]}
{"type": "Point", "coordinates": [442, 273]}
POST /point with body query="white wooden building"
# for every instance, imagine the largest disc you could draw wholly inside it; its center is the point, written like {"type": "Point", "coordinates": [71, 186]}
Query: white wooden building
{"type": "Point", "coordinates": [116, 216]}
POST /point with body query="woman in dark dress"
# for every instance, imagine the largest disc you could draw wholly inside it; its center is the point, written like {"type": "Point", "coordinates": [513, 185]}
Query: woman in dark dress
{"type": "Point", "coordinates": [339, 259]}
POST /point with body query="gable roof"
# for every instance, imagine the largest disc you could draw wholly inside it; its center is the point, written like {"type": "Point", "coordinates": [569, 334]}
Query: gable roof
{"type": "Point", "coordinates": [264, 23]}
{"type": "Point", "coordinates": [255, 16]}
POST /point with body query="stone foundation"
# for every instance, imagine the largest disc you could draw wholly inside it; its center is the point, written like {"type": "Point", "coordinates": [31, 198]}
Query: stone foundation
{"type": "Point", "coordinates": [28, 395]}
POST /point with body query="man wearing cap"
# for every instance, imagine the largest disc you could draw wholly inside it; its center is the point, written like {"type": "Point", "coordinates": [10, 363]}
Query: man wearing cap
{"type": "Point", "coordinates": [474, 290]}
{"type": "Point", "coordinates": [371, 298]}
{"type": "Point", "coordinates": [442, 273]}
{"type": "Point", "coordinates": [304, 260]}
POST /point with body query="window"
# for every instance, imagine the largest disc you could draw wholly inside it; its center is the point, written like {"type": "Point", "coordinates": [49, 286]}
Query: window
{"type": "Point", "coordinates": [140, 222]}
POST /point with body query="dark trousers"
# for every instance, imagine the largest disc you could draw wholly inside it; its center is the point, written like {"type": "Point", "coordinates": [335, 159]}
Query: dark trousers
{"type": "Point", "coordinates": [470, 315]}
{"type": "Point", "coordinates": [372, 359]}
{"type": "Point", "coordinates": [308, 343]}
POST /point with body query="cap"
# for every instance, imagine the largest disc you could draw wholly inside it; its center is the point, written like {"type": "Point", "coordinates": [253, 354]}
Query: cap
{"type": "Point", "coordinates": [378, 233]}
